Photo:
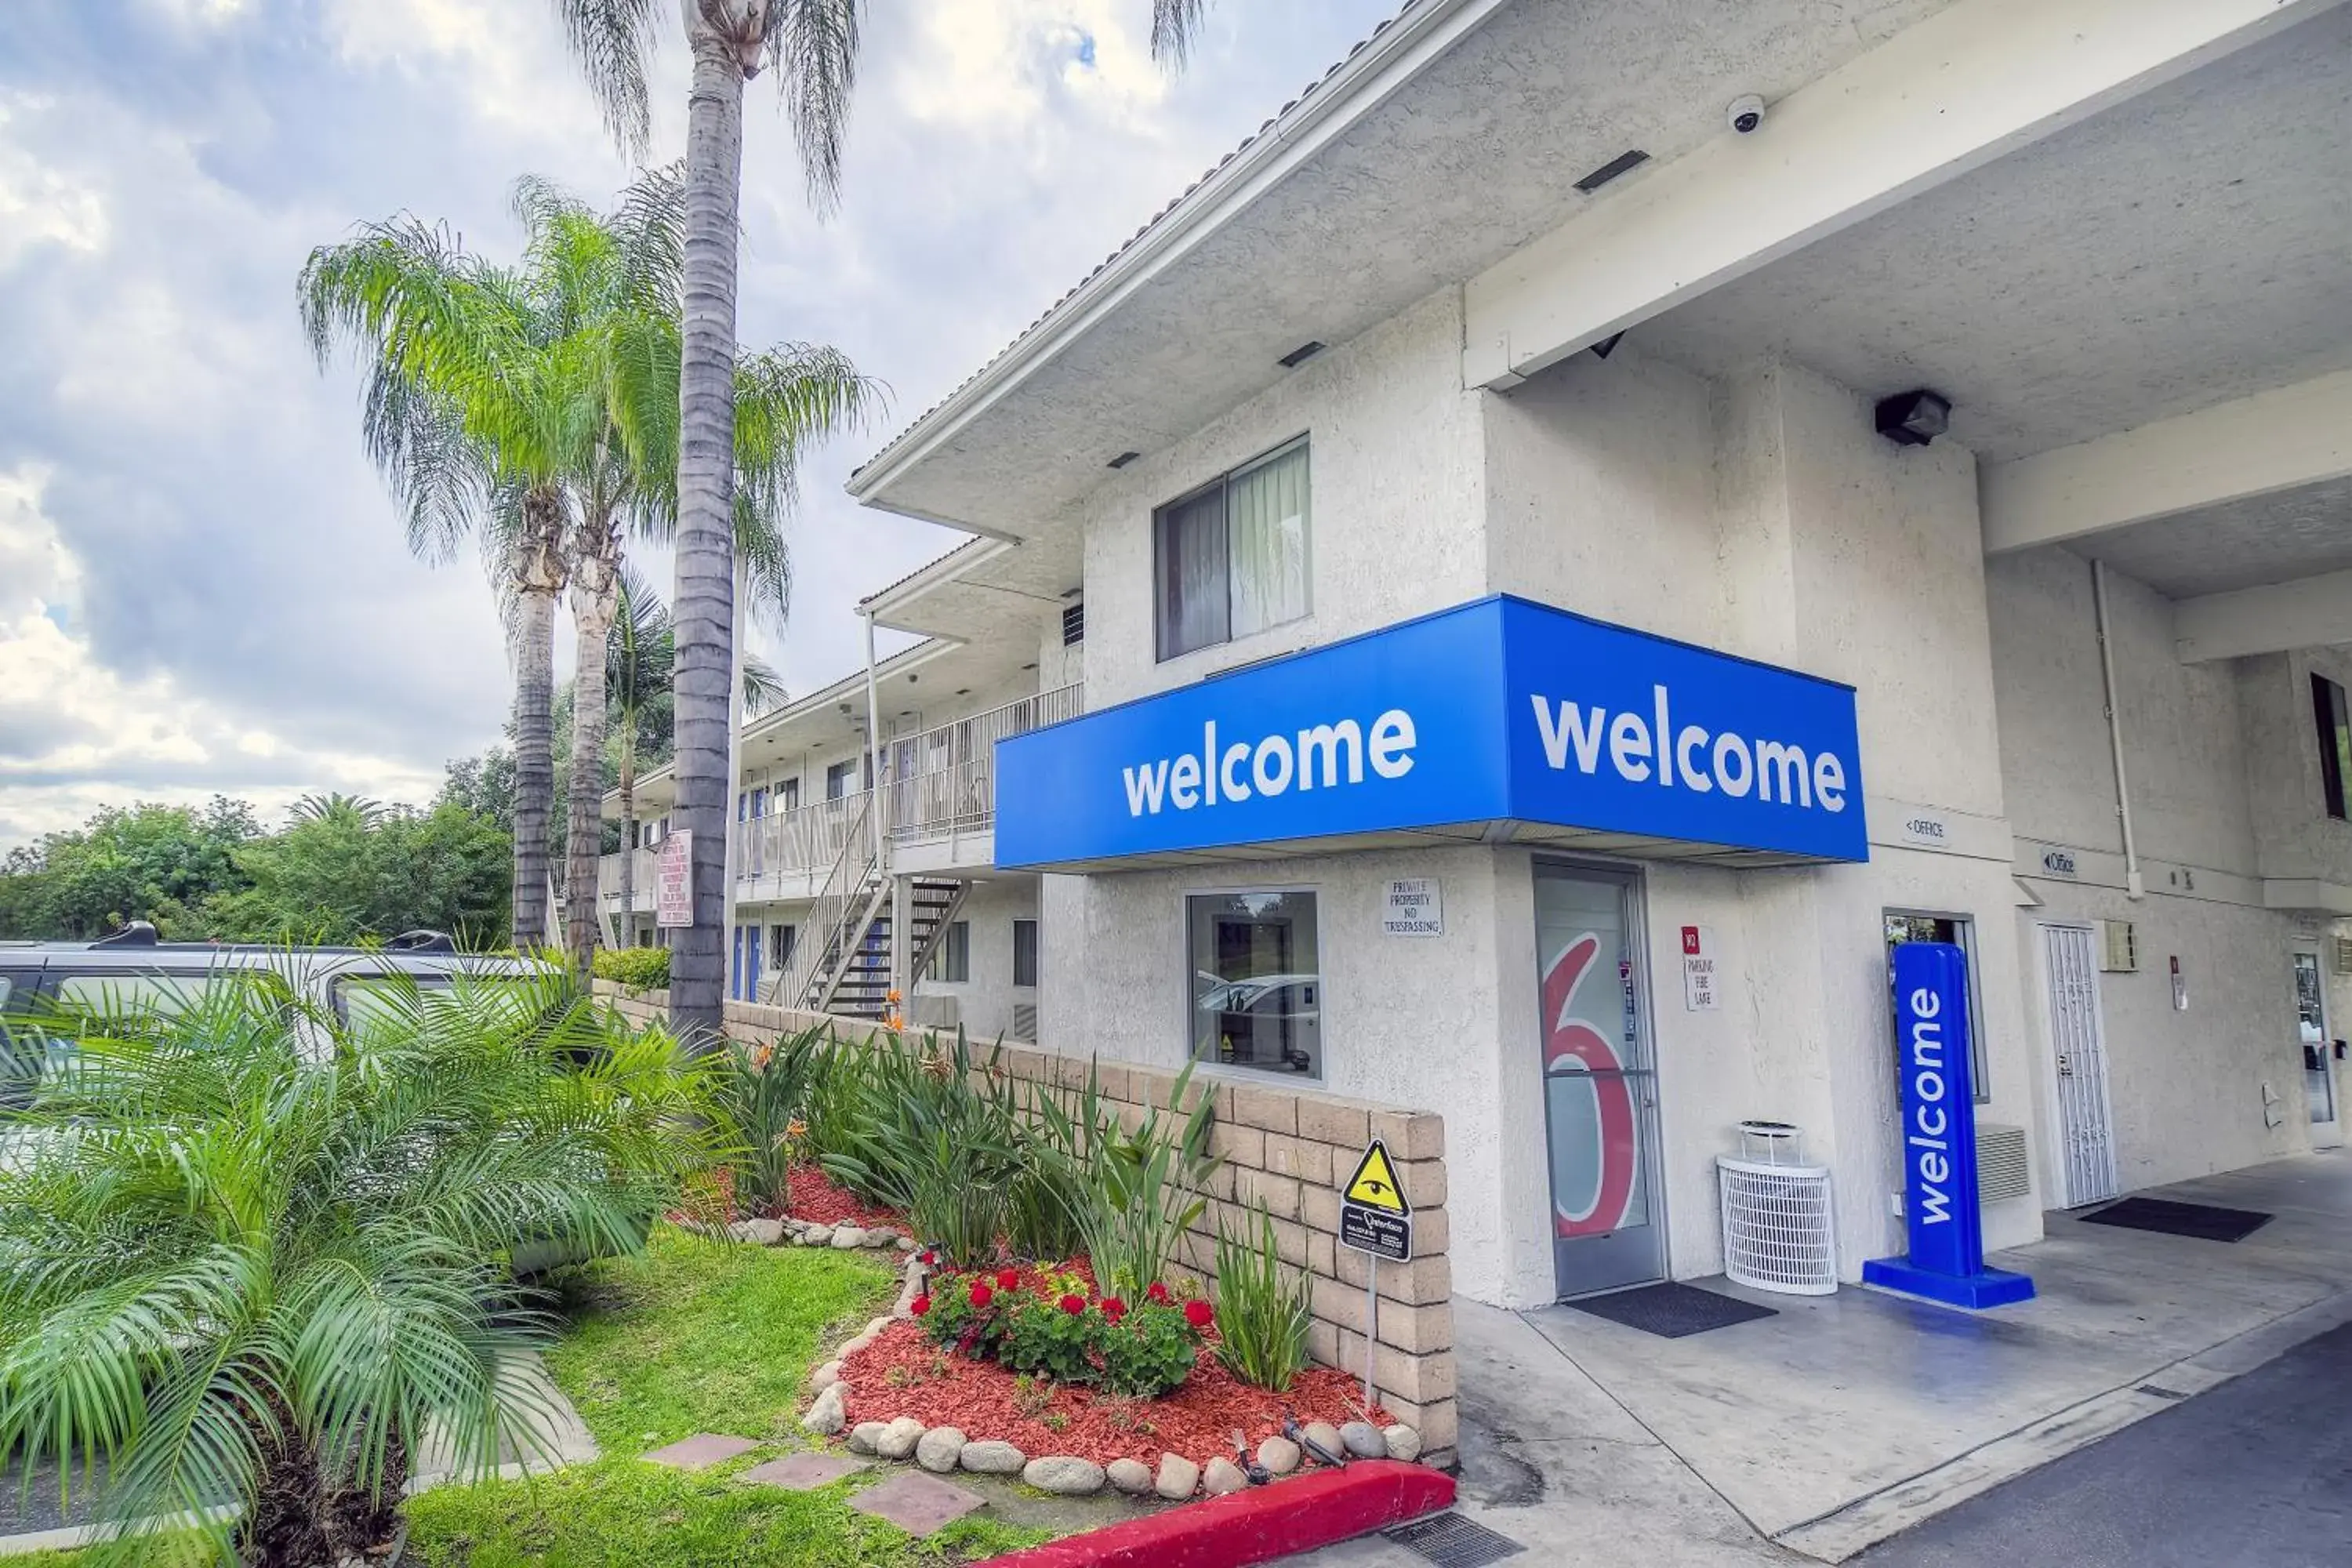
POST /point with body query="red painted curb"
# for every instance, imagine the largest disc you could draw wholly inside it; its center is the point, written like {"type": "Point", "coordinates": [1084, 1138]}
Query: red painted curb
{"type": "Point", "coordinates": [1255, 1526]}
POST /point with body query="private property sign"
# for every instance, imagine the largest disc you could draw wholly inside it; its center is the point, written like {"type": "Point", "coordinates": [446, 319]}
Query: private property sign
{"type": "Point", "coordinates": [1946, 1260]}
{"type": "Point", "coordinates": [1502, 709]}
{"type": "Point", "coordinates": [674, 880]}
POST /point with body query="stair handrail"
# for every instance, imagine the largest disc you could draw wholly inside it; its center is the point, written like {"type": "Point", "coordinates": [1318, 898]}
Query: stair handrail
{"type": "Point", "coordinates": [853, 870]}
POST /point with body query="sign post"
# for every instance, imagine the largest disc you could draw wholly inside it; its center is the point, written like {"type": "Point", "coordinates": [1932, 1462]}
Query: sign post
{"type": "Point", "coordinates": [674, 880]}
{"type": "Point", "coordinates": [1375, 1220]}
{"type": "Point", "coordinates": [1946, 1259]}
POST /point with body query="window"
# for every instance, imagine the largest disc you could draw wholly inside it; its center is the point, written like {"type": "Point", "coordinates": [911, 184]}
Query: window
{"type": "Point", "coordinates": [837, 777]}
{"type": "Point", "coordinates": [1961, 933]}
{"type": "Point", "coordinates": [780, 946]}
{"type": "Point", "coordinates": [1257, 985]}
{"type": "Point", "coordinates": [1230, 558]}
{"type": "Point", "coordinates": [759, 802]}
{"type": "Point", "coordinates": [788, 795]}
{"type": "Point", "coordinates": [2335, 742]}
{"type": "Point", "coordinates": [1024, 953]}
{"type": "Point", "coordinates": [1074, 624]}
{"type": "Point", "coordinates": [952, 960]}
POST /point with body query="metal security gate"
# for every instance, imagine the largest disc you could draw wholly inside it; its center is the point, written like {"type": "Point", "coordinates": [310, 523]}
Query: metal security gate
{"type": "Point", "coordinates": [2086, 1143]}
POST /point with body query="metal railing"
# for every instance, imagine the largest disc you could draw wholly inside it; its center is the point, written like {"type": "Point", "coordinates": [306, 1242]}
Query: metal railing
{"type": "Point", "coordinates": [801, 840]}
{"type": "Point", "coordinates": [608, 877]}
{"type": "Point", "coordinates": [845, 899]}
{"type": "Point", "coordinates": [942, 781]}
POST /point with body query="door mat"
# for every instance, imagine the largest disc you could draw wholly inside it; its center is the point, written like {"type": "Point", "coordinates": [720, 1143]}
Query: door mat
{"type": "Point", "coordinates": [1671, 1312]}
{"type": "Point", "coordinates": [2204, 1221]}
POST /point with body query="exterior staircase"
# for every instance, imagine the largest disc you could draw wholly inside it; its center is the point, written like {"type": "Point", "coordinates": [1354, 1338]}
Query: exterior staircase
{"type": "Point", "coordinates": [861, 988]}
{"type": "Point", "coordinates": [843, 964]}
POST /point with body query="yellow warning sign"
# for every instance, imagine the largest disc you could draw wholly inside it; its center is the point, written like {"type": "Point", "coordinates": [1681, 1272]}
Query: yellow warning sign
{"type": "Point", "coordinates": [1374, 1184]}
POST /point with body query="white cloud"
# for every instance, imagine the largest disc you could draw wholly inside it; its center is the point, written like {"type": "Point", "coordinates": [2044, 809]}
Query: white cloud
{"type": "Point", "coordinates": [39, 204]}
{"type": "Point", "coordinates": [81, 735]}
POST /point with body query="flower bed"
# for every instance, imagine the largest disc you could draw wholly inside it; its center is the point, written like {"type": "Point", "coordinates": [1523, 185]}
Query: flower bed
{"type": "Point", "coordinates": [903, 1374]}
{"type": "Point", "coordinates": [818, 1199]}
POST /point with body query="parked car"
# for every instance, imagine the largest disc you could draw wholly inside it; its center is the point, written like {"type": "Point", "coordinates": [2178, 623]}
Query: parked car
{"type": "Point", "coordinates": [1273, 1020]}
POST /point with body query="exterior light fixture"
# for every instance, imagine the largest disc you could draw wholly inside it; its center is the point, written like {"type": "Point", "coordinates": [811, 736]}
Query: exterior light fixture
{"type": "Point", "coordinates": [1301, 354]}
{"type": "Point", "coordinates": [1915, 419]}
{"type": "Point", "coordinates": [1625, 162]}
{"type": "Point", "coordinates": [1122, 460]}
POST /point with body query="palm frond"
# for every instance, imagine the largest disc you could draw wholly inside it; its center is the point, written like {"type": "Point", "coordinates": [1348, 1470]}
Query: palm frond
{"type": "Point", "coordinates": [1174, 25]}
{"type": "Point", "coordinates": [612, 42]}
{"type": "Point", "coordinates": [811, 45]}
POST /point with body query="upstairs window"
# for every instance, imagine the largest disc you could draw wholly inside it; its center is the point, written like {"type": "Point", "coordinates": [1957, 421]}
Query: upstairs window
{"type": "Point", "coordinates": [1229, 559]}
{"type": "Point", "coordinates": [2335, 742]}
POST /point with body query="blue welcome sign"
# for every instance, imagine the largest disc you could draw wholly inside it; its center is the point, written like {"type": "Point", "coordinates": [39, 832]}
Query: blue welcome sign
{"type": "Point", "coordinates": [1946, 1232]}
{"type": "Point", "coordinates": [1501, 709]}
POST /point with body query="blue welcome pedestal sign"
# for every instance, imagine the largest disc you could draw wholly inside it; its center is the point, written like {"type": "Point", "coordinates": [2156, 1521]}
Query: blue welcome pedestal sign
{"type": "Point", "coordinates": [1939, 1141]}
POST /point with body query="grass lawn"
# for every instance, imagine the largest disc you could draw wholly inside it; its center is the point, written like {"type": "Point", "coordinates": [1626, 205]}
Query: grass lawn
{"type": "Point", "coordinates": [693, 1337]}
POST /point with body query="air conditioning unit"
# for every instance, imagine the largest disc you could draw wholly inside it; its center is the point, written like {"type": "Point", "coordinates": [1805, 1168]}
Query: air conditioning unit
{"type": "Point", "coordinates": [1024, 1022]}
{"type": "Point", "coordinates": [2118, 947]}
{"type": "Point", "coordinates": [2001, 1170]}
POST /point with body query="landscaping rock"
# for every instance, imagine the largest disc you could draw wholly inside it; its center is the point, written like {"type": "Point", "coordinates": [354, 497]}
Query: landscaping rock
{"type": "Point", "coordinates": [880, 1237]}
{"type": "Point", "coordinates": [847, 1239]}
{"type": "Point", "coordinates": [829, 1413]}
{"type": "Point", "coordinates": [865, 1434]}
{"type": "Point", "coordinates": [816, 1236]}
{"type": "Point", "coordinates": [759, 1232]}
{"type": "Point", "coordinates": [906, 1244]}
{"type": "Point", "coordinates": [825, 1376]}
{"type": "Point", "coordinates": [1403, 1443]}
{"type": "Point", "coordinates": [991, 1457]}
{"type": "Point", "coordinates": [1133, 1477]}
{"type": "Point", "coordinates": [1328, 1436]}
{"type": "Point", "coordinates": [938, 1449]}
{"type": "Point", "coordinates": [1222, 1477]}
{"type": "Point", "coordinates": [1178, 1478]}
{"type": "Point", "coordinates": [851, 1347]}
{"type": "Point", "coordinates": [1060, 1474]}
{"type": "Point", "coordinates": [1363, 1440]}
{"type": "Point", "coordinates": [1279, 1455]}
{"type": "Point", "coordinates": [873, 1330]}
{"type": "Point", "coordinates": [899, 1439]}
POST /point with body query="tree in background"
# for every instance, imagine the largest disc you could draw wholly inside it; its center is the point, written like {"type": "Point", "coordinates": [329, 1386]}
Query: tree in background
{"type": "Point", "coordinates": [812, 45]}
{"type": "Point", "coordinates": [150, 862]}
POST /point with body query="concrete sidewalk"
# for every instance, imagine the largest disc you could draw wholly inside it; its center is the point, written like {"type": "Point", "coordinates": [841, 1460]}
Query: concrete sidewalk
{"type": "Point", "coordinates": [1847, 1418]}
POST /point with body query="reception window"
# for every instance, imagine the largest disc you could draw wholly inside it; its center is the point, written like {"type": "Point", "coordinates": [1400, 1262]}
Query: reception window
{"type": "Point", "coordinates": [1257, 981]}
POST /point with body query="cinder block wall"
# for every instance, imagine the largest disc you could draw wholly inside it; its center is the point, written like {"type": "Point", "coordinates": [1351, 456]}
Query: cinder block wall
{"type": "Point", "coordinates": [1292, 1150]}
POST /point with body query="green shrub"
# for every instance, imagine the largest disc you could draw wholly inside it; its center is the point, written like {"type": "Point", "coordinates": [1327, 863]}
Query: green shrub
{"type": "Point", "coordinates": [763, 1092]}
{"type": "Point", "coordinates": [638, 968]}
{"type": "Point", "coordinates": [1263, 1310]}
{"type": "Point", "coordinates": [1052, 1328]}
{"type": "Point", "coordinates": [236, 1267]}
{"type": "Point", "coordinates": [1133, 1189]}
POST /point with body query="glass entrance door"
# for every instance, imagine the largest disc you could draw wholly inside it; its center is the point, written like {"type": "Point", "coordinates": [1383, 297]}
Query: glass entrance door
{"type": "Point", "coordinates": [1599, 1085]}
{"type": "Point", "coordinates": [2318, 1049]}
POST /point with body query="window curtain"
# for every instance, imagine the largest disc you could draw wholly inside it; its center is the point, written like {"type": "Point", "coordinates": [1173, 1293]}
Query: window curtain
{"type": "Point", "coordinates": [1194, 610]}
{"type": "Point", "coordinates": [1266, 528]}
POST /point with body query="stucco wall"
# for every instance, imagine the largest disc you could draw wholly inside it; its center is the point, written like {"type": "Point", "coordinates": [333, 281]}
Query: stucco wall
{"type": "Point", "coordinates": [1393, 527]}
{"type": "Point", "coordinates": [984, 1002]}
{"type": "Point", "coordinates": [2293, 836]}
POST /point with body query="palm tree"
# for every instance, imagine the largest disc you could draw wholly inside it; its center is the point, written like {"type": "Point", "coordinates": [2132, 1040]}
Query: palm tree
{"type": "Point", "coordinates": [351, 810]}
{"type": "Point", "coordinates": [236, 1269]}
{"type": "Point", "coordinates": [813, 46]}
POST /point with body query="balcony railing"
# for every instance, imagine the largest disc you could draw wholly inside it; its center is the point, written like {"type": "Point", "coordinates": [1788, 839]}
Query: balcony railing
{"type": "Point", "coordinates": [608, 879]}
{"type": "Point", "coordinates": [804, 838]}
{"type": "Point", "coordinates": [942, 781]}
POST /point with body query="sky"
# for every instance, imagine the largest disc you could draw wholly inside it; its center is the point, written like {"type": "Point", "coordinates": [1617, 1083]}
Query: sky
{"type": "Point", "coordinates": [204, 585]}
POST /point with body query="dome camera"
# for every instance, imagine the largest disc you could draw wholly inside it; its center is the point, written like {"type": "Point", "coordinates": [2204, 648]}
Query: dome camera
{"type": "Point", "coordinates": [1745, 113]}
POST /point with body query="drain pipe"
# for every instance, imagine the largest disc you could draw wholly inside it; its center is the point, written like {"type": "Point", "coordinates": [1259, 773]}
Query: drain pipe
{"type": "Point", "coordinates": [2134, 888]}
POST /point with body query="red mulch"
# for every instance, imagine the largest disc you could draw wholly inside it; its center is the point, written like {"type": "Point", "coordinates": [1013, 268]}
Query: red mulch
{"type": "Point", "coordinates": [817, 1198]}
{"type": "Point", "coordinates": [940, 1388]}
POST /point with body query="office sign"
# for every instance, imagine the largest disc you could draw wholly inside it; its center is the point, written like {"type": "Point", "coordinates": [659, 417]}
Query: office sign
{"type": "Point", "coordinates": [1497, 710]}
{"type": "Point", "coordinates": [674, 880]}
{"type": "Point", "coordinates": [1941, 1221]}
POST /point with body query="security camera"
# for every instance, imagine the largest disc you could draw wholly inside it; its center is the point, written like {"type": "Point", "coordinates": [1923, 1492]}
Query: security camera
{"type": "Point", "coordinates": [1745, 113]}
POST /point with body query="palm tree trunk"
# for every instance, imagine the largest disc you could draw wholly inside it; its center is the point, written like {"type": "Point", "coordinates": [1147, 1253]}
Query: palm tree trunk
{"type": "Point", "coordinates": [705, 596]}
{"type": "Point", "coordinates": [629, 827]}
{"type": "Point", "coordinates": [595, 581]}
{"type": "Point", "coordinates": [537, 579]}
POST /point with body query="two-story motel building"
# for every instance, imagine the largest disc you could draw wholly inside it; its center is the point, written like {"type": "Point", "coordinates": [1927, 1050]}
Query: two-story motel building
{"type": "Point", "coordinates": [1465, 522]}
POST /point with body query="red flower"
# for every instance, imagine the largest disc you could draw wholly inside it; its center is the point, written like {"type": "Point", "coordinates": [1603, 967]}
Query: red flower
{"type": "Point", "coordinates": [1198, 1314]}
{"type": "Point", "coordinates": [1157, 1294]}
{"type": "Point", "coordinates": [928, 1260]}
{"type": "Point", "coordinates": [1073, 1305]}
{"type": "Point", "coordinates": [919, 1305]}
{"type": "Point", "coordinates": [1113, 1308]}
{"type": "Point", "coordinates": [982, 1295]}
{"type": "Point", "coordinates": [1008, 1278]}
